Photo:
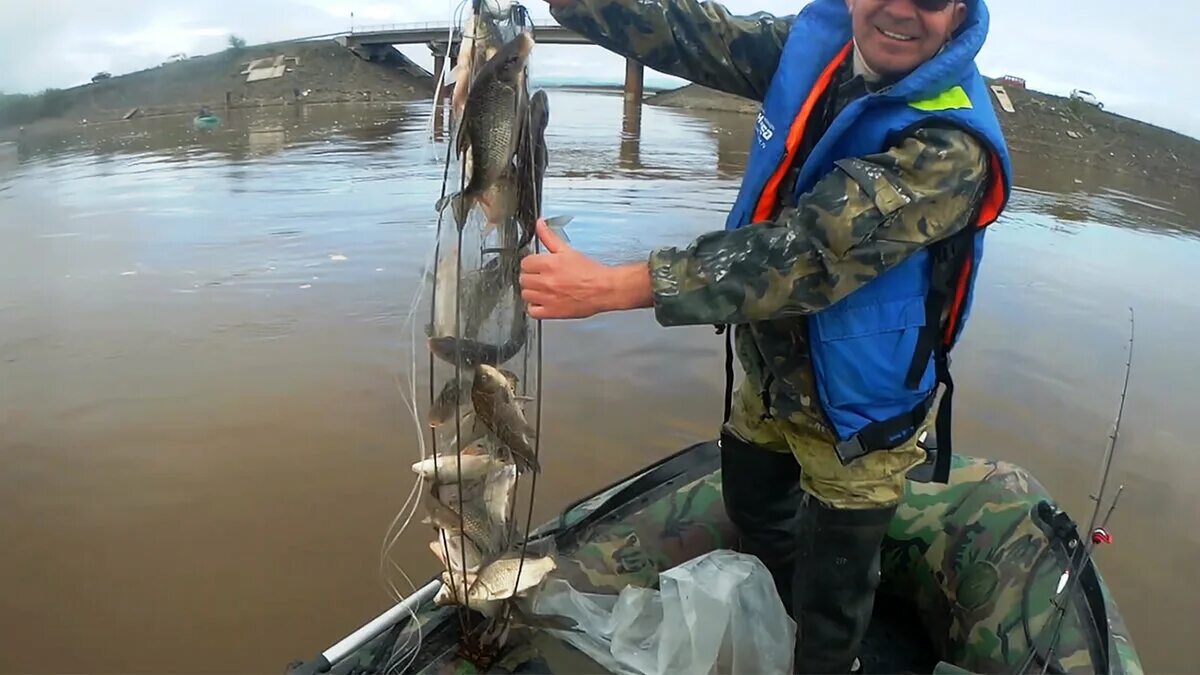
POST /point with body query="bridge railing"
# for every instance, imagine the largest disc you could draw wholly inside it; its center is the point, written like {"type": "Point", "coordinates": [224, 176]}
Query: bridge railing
{"type": "Point", "coordinates": [416, 27]}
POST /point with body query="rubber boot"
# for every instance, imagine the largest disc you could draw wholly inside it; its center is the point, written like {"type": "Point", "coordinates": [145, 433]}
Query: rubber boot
{"type": "Point", "coordinates": [836, 575]}
{"type": "Point", "coordinates": [761, 490]}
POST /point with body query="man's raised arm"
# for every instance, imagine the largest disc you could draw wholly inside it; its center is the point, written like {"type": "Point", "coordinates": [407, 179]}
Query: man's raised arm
{"type": "Point", "coordinates": [698, 41]}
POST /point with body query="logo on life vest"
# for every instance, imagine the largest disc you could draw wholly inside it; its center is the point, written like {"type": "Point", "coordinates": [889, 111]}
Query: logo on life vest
{"type": "Point", "coordinates": [766, 130]}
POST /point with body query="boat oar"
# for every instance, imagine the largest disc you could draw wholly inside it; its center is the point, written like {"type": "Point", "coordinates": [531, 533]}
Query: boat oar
{"type": "Point", "coordinates": [354, 641]}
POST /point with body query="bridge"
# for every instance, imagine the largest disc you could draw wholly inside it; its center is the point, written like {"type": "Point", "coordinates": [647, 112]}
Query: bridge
{"type": "Point", "coordinates": [443, 41]}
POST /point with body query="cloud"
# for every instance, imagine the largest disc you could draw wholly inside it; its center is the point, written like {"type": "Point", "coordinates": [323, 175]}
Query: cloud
{"type": "Point", "coordinates": [1135, 56]}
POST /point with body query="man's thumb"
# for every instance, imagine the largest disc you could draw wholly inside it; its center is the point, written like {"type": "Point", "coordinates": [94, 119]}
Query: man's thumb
{"type": "Point", "coordinates": [549, 238]}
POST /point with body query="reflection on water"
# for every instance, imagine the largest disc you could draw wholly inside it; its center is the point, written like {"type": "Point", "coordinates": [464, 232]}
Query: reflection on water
{"type": "Point", "coordinates": [205, 346]}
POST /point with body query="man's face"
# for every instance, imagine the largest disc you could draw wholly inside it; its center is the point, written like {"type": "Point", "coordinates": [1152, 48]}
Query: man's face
{"type": "Point", "coordinates": [896, 36]}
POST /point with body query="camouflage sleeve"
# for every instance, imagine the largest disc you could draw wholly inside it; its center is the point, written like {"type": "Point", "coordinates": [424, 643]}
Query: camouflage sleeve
{"type": "Point", "coordinates": [698, 41]}
{"type": "Point", "coordinates": [864, 217]}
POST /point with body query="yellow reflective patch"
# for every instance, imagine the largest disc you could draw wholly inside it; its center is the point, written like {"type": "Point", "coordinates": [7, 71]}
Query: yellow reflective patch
{"type": "Point", "coordinates": [954, 97]}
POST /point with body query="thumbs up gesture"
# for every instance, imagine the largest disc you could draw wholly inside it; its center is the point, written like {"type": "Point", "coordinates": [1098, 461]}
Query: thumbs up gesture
{"type": "Point", "coordinates": [563, 283]}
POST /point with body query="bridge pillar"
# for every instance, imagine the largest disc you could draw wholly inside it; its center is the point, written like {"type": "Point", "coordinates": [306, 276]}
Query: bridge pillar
{"type": "Point", "coordinates": [439, 62]}
{"type": "Point", "coordinates": [634, 80]}
{"type": "Point", "coordinates": [441, 51]}
{"type": "Point", "coordinates": [630, 154]}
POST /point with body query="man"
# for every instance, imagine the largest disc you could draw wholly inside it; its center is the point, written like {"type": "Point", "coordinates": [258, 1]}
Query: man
{"type": "Point", "coordinates": [846, 265]}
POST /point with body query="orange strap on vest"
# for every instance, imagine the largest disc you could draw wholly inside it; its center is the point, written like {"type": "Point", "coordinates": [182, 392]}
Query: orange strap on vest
{"type": "Point", "coordinates": [770, 194]}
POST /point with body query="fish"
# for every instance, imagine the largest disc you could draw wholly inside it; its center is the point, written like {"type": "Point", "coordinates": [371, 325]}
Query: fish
{"type": "Point", "coordinates": [458, 549]}
{"type": "Point", "coordinates": [455, 586]}
{"type": "Point", "coordinates": [474, 467]}
{"type": "Point", "coordinates": [448, 401]}
{"type": "Point", "coordinates": [498, 580]}
{"type": "Point", "coordinates": [484, 295]}
{"type": "Point", "coordinates": [471, 521]}
{"type": "Point", "coordinates": [445, 295]}
{"type": "Point", "coordinates": [472, 432]}
{"type": "Point", "coordinates": [482, 290]}
{"type": "Point", "coordinates": [481, 38]}
{"type": "Point", "coordinates": [448, 304]}
{"type": "Point", "coordinates": [495, 402]}
{"type": "Point", "coordinates": [497, 494]}
{"type": "Point", "coordinates": [452, 494]}
{"type": "Point", "coordinates": [471, 353]}
{"type": "Point", "coordinates": [489, 132]}
{"type": "Point", "coordinates": [532, 158]}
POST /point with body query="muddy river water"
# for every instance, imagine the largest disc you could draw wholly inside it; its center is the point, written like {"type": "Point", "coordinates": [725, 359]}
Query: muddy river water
{"type": "Point", "coordinates": [202, 338]}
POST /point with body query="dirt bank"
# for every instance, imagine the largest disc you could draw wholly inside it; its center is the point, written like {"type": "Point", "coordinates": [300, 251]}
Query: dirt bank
{"type": "Point", "coordinates": [317, 71]}
{"type": "Point", "coordinates": [1042, 123]}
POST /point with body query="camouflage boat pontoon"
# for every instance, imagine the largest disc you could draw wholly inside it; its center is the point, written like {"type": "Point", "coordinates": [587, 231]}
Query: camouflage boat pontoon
{"type": "Point", "coordinates": [971, 572]}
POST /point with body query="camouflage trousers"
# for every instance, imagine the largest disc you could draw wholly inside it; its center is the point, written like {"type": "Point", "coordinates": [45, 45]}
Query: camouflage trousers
{"type": "Point", "coordinates": [874, 481]}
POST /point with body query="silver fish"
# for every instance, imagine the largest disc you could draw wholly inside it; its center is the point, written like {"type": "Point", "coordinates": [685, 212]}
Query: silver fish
{"type": "Point", "coordinates": [497, 494]}
{"type": "Point", "coordinates": [456, 586]}
{"type": "Point", "coordinates": [470, 521]}
{"type": "Point", "coordinates": [452, 494]}
{"type": "Point", "coordinates": [474, 304]}
{"type": "Point", "coordinates": [474, 467]}
{"type": "Point", "coordinates": [482, 290]}
{"type": "Point", "coordinates": [498, 579]}
{"type": "Point", "coordinates": [495, 402]}
{"type": "Point", "coordinates": [470, 352]}
{"type": "Point", "coordinates": [457, 548]}
{"type": "Point", "coordinates": [445, 294]}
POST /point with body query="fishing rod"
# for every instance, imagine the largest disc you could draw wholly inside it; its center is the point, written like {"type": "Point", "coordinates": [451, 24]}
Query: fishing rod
{"type": "Point", "coordinates": [1097, 534]}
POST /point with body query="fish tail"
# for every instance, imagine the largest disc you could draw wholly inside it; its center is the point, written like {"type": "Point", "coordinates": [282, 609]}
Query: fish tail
{"type": "Point", "coordinates": [526, 462]}
{"type": "Point", "coordinates": [559, 225]}
{"type": "Point", "coordinates": [460, 205]}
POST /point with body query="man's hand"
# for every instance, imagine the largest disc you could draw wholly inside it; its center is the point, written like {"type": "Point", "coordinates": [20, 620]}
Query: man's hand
{"type": "Point", "coordinates": [565, 284]}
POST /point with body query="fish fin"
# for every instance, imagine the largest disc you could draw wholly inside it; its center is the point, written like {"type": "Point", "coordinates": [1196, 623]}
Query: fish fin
{"type": "Point", "coordinates": [461, 141]}
{"type": "Point", "coordinates": [436, 548]}
{"type": "Point", "coordinates": [460, 207]}
{"type": "Point", "coordinates": [526, 463]}
{"type": "Point", "coordinates": [440, 206]}
{"type": "Point", "coordinates": [558, 225]}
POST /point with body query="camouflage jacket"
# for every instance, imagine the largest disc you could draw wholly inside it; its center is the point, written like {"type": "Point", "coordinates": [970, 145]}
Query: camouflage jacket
{"type": "Point", "coordinates": [765, 278]}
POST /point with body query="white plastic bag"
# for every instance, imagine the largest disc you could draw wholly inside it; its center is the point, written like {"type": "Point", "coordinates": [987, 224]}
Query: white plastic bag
{"type": "Point", "coordinates": [718, 613]}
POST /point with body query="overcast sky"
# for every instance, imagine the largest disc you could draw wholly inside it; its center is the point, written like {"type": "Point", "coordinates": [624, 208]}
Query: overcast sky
{"type": "Point", "coordinates": [1137, 57]}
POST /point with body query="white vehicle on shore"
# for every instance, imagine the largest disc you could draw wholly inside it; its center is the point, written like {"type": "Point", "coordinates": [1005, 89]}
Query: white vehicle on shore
{"type": "Point", "coordinates": [1087, 97]}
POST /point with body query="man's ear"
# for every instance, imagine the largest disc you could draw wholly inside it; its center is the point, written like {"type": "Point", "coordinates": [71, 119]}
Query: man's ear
{"type": "Point", "coordinates": [960, 15]}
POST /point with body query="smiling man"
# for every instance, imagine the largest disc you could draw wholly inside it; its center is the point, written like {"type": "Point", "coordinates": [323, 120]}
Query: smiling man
{"type": "Point", "coordinates": [847, 266]}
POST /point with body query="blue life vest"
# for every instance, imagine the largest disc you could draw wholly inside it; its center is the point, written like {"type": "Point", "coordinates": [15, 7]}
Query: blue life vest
{"type": "Point", "coordinates": [879, 353]}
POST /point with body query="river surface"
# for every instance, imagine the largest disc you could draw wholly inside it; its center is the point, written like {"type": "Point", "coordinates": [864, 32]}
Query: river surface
{"type": "Point", "coordinates": [204, 337]}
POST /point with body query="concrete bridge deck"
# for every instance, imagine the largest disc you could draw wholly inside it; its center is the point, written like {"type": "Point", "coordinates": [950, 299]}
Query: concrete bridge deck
{"type": "Point", "coordinates": [546, 32]}
{"type": "Point", "coordinates": [443, 41]}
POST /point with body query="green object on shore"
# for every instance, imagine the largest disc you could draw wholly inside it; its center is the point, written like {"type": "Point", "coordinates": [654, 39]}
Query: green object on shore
{"type": "Point", "coordinates": [206, 121]}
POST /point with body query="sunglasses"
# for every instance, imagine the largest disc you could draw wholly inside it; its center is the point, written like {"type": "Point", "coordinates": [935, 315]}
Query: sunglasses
{"type": "Point", "coordinates": [932, 5]}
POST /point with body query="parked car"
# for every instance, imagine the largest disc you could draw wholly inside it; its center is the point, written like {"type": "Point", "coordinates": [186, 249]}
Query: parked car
{"type": "Point", "coordinates": [102, 75]}
{"type": "Point", "coordinates": [1087, 97]}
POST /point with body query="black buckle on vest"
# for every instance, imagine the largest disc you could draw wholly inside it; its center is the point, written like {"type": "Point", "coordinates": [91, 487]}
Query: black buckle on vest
{"type": "Point", "coordinates": [851, 449]}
